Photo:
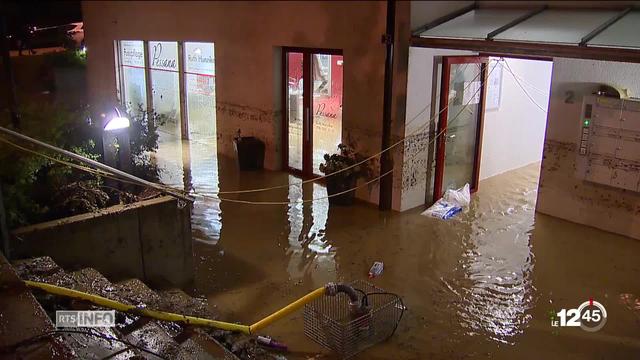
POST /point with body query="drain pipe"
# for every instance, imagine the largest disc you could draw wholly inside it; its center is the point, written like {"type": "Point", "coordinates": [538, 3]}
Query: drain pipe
{"type": "Point", "coordinates": [8, 73]}
{"type": "Point", "coordinates": [386, 160]}
{"type": "Point", "coordinates": [4, 230]}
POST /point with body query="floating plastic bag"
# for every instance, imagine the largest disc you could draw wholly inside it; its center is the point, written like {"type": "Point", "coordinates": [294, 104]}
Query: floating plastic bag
{"type": "Point", "coordinates": [453, 202]}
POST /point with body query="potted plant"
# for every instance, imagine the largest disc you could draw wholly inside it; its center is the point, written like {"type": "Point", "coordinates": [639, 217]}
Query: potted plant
{"type": "Point", "coordinates": [343, 180]}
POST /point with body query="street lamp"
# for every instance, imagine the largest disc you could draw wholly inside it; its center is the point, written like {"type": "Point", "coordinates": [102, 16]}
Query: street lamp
{"type": "Point", "coordinates": [117, 123]}
{"type": "Point", "coordinates": [115, 140]}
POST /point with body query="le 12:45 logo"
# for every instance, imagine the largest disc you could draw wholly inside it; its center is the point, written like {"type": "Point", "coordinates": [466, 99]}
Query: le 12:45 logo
{"type": "Point", "coordinates": [589, 316]}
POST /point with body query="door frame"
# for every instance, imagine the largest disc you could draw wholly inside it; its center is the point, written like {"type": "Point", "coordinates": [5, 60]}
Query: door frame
{"type": "Point", "coordinates": [447, 61]}
{"type": "Point", "coordinates": [307, 97]}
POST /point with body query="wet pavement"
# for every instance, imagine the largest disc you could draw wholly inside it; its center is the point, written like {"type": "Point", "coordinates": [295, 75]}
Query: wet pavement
{"type": "Point", "coordinates": [481, 285]}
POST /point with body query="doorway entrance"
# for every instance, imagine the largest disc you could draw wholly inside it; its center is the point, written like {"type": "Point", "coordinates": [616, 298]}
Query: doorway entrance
{"type": "Point", "coordinates": [492, 118]}
{"type": "Point", "coordinates": [460, 123]}
{"type": "Point", "coordinates": [312, 94]}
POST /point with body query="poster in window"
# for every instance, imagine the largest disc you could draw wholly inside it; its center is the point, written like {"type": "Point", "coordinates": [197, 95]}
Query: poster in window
{"type": "Point", "coordinates": [494, 89]}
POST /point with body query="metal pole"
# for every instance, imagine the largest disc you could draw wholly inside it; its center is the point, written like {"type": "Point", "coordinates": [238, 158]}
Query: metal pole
{"type": "Point", "coordinates": [98, 165]}
{"type": "Point", "coordinates": [4, 230]}
{"type": "Point", "coordinates": [386, 161]}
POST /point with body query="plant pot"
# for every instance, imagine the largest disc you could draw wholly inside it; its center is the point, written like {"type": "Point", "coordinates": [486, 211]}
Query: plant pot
{"type": "Point", "coordinates": [249, 153]}
{"type": "Point", "coordinates": [338, 184]}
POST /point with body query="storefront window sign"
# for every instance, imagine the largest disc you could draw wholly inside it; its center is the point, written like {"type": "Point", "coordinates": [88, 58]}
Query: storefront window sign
{"type": "Point", "coordinates": [200, 58]}
{"type": "Point", "coordinates": [132, 53]}
{"type": "Point", "coordinates": [164, 55]}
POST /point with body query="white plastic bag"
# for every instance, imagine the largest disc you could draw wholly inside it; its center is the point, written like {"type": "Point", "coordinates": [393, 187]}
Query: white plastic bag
{"type": "Point", "coordinates": [453, 202]}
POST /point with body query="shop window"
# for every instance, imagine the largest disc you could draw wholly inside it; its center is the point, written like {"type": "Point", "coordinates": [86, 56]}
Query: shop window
{"type": "Point", "coordinates": [133, 85]}
{"type": "Point", "coordinates": [169, 82]}
{"type": "Point", "coordinates": [165, 84]}
{"type": "Point", "coordinates": [199, 59]}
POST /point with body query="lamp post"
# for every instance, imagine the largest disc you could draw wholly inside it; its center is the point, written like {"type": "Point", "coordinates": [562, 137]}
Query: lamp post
{"type": "Point", "coordinates": [115, 142]}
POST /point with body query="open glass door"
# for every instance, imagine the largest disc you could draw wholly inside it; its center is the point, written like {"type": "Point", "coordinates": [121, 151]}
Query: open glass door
{"type": "Point", "coordinates": [459, 132]}
{"type": "Point", "coordinates": [295, 111]}
{"type": "Point", "coordinates": [313, 107]}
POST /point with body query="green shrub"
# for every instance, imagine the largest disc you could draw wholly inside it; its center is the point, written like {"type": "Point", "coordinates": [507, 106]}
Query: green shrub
{"type": "Point", "coordinates": [37, 189]}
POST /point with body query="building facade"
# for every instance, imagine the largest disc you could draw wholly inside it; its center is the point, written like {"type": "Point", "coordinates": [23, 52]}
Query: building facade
{"type": "Point", "coordinates": [248, 65]}
{"type": "Point", "coordinates": [144, 52]}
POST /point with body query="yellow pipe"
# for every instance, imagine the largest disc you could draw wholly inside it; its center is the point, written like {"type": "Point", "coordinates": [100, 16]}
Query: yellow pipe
{"type": "Point", "coordinates": [116, 305]}
{"type": "Point", "coordinates": [168, 316]}
{"type": "Point", "coordinates": [287, 310]}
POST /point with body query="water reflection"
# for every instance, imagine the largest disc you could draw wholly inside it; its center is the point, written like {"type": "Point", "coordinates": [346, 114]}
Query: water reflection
{"type": "Point", "coordinates": [192, 165]}
{"type": "Point", "coordinates": [494, 272]}
{"type": "Point", "coordinates": [309, 246]}
{"type": "Point", "coordinates": [468, 282]}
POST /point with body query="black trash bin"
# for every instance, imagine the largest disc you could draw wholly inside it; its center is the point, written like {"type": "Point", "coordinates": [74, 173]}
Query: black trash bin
{"type": "Point", "coordinates": [249, 153]}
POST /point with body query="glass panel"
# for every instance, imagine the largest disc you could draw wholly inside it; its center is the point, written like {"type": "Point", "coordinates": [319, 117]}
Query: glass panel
{"type": "Point", "coordinates": [295, 90]}
{"type": "Point", "coordinates": [201, 89]}
{"type": "Point", "coordinates": [165, 84]}
{"type": "Point", "coordinates": [623, 33]}
{"type": "Point", "coordinates": [462, 126]}
{"type": "Point", "coordinates": [475, 24]}
{"type": "Point", "coordinates": [326, 71]}
{"type": "Point", "coordinates": [557, 26]}
{"type": "Point", "coordinates": [134, 86]}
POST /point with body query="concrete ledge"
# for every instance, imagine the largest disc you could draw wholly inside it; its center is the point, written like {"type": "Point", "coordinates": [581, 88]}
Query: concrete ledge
{"type": "Point", "coordinates": [149, 240]}
{"type": "Point", "coordinates": [23, 319]}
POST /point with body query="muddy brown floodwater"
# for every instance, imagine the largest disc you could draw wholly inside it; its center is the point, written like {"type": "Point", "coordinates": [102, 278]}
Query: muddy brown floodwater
{"type": "Point", "coordinates": [479, 286]}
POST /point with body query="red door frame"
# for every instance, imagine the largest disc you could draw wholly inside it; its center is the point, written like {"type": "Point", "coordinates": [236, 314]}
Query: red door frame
{"type": "Point", "coordinates": [307, 127]}
{"type": "Point", "coordinates": [442, 121]}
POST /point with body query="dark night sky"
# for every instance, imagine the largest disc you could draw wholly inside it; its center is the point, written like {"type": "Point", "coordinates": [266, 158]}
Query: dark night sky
{"type": "Point", "coordinates": [40, 13]}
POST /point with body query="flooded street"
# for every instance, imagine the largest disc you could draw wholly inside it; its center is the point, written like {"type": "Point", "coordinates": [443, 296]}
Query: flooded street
{"type": "Point", "coordinates": [481, 285]}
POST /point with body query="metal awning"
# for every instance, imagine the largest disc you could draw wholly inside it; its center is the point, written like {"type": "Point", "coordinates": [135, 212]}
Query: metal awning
{"type": "Point", "coordinates": [604, 33]}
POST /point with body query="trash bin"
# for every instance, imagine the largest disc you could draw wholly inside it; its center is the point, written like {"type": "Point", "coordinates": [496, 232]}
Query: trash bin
{"type": "Point", "coordinates": [249, 153]}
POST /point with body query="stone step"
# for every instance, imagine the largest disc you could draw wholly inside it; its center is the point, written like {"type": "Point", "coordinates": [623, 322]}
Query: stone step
{"type": "Point", "coordinates": [170, 340]}
{"type": "Point", "coordinates": [201, 346]}
{"type": "Point", "coordinates": [177, 301]}
{"type": "Point", "coordinates": [42, 269]}
{"type": "Point", "coordinates": [95, 343]}
{"type": "Point", "coordinates": [137, 293]}
{"type": "Point", "coordinates": [154, 338]}
{"type": "Point", "coordinates": [92, 281]}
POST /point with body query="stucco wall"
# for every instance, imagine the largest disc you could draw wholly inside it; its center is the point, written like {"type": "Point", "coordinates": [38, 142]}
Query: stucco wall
{"type": "Point", "coordinates": [419, 121]}
{"type": "Point", "coordinates": [561, 194]}
{"type": "Point", "coordinates": [514, 133]}
{"type": "Point", "coordinates": [247, 37]}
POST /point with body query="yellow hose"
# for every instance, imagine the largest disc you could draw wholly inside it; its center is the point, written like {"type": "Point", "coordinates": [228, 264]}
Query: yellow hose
{"type": "Point", "coordinates": [168, 316]}
{"type": "Point", "coordinates": [116, 305]}
{"type": "Point", "coordinates": [287, 310]}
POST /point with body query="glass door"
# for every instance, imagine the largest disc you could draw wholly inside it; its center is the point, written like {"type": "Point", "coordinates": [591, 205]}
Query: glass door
{"type": "Point", "coordinates": [313, 107]}
{"type": "Point", "coordinates": [459, 134]}
{"type": "Point", "coordinates": [295, 110]}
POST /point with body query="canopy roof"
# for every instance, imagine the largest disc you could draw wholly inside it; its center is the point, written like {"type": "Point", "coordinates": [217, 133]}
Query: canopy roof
{"type": "Point", "coordinates": [588, 33]}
